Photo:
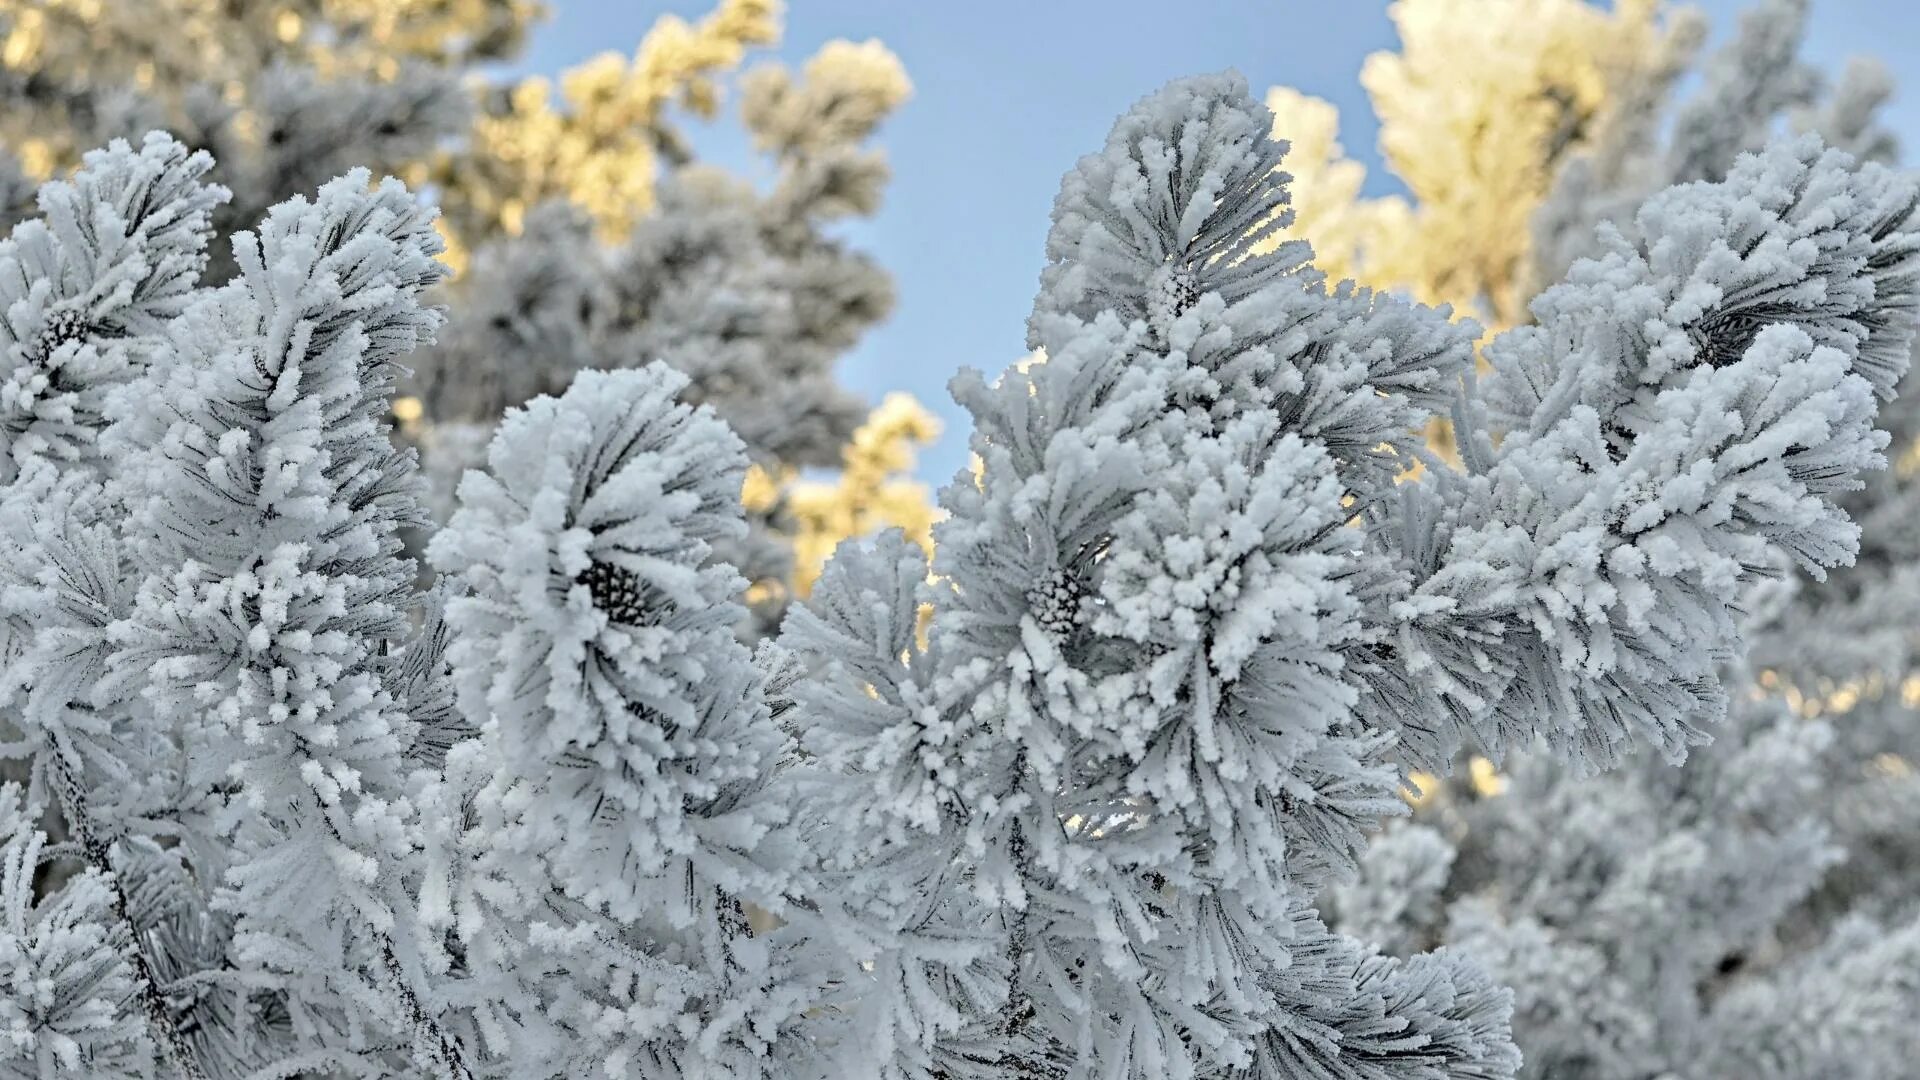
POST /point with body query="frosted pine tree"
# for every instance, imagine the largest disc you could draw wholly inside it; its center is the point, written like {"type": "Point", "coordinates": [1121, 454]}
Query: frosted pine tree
{"type": "Point", "coordinates": [1062, 802]}
{"type": "Point", "coordinates": [1186, 628]}
{"type": "Point", "coordinates": [207, 611]}
{"type": "Point", "coordinates": [296, 851]}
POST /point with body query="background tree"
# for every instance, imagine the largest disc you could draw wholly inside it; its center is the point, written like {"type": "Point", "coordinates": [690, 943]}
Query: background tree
{"type": "Point", "coordinates": [1511, 161]}
{"type": "Point", "coordinates": [1478, 147]}
{"type": "Point", "coordinates": [287, 95]}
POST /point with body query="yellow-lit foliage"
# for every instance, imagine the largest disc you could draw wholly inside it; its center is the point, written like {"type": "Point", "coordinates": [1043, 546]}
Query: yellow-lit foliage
{"type": "Point", "coordinates": [1830, 698]}
{"type": "Point", "coordinates": [1890, 765]}
{"type": "Point", "coordinates": [1906, 463]}
{"type": "Point", "coordinates": [598, 144]}
{"type": "Point", "coordinates": [1477, 110]}
{"type": "Point", "coordinates": [456, 255]}
{"type": "Point", "coordinates": [1483, 778]}
{"type": "Point", "coordinates": [844, 91]}
{"type": "Point", "coordinates": [1422, 788]}
{"type": "Point", "coordinates": [874, 491]}
{"type": "Point", "coordinates": [762, 490]}
{"type": "Point", "coordinates": [160, 48]}
{"type": "Point", "coordinates": [37, 158]}
{"type": "Point", "coordinates": [170, 44]}
{"type": "Point", "coordinates": [1486, 779]}
{"type": "Point", "coordinates": [1327, 207]}
{"type": "Point", "coordinates": [438, 30]}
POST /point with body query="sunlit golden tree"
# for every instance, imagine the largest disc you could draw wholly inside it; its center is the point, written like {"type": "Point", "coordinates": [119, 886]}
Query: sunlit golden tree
{"type": "Point", "coordinates": [1477, 142]}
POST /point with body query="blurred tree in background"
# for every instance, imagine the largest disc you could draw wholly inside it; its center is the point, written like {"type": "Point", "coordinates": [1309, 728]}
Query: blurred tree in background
{"type": "Point", "coordinates": [584, 230]}
{"type": "Point", "coordinates": [1753, 915]}
{"type": "Point", "coordinates": [1555, 125]}
{"type": "Point", "coordinates": [287, 94]}
{"type": "Point", "coordinates": [1477, 144]}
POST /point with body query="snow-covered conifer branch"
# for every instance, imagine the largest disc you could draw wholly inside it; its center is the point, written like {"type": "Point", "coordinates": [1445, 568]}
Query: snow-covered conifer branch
{"type": "Point", "coordinates": [264, 504]}
{"type": "Point", "coordinates": [1197, 603]}
{"type": "Point", "coordinates": [630, 801]}
{"type": "Point", "coordinates": [68, 995]}
{"type": "Point", "coordinates": [1128, 752]}
{"type": "Point", "coordinates": [86, 287]}
{"type": "Point", "coordinates": [1684, 406]}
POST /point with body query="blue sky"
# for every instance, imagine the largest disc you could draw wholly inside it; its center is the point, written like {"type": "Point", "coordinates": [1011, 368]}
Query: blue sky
{"type": "Point", "coordinates": [1007, 95]}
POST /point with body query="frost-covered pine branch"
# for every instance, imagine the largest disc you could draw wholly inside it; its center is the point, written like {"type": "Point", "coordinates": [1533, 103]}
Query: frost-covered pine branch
{"type": "Point", "coordinates": [68, 993]}
{"type": "Point", "coordinates": [1185, 623]}
{"type": "Point", "coordinates": [87, 287]}
{"type": "Point", "coordinates": [91, 287]}
{"type": "Point", "coordinates": [265, 504]}
{"type": "Point", "coordinates": [627, 804]}
{"type": "Point", "coordinates": [747, 291]}
{"type": "Point", "coordinates": [207, 605]}
{"type": "Point", "coordinates": [1682, 407]}
{"type": "Point", "coordinates": [284, 97]}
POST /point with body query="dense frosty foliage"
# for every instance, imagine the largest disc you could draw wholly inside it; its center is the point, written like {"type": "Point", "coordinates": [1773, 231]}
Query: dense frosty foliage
{"type": "Point", "coordinates": [1185, 624]}
{"type": "Point", "coordinates": [1658, 920]}
{"type": "Point", "coordinates": [626, 798]}
{"type": "Point", "coordinates": [204, 600]}
{"type": "Point", "coordinates": [1062, 802]}
{"type": "Point", "coordinates": [91, 284]}
{"type": "Point", "coordinates": [745, 293]}
{"type": "Point", "coordinates": [1795, 831]}
{"type": "Point", "coordinates": [1686, 406]}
